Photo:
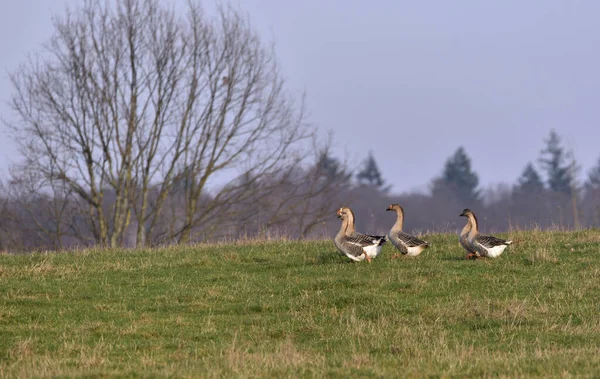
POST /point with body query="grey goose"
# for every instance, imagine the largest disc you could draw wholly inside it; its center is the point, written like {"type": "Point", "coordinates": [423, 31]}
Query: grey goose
{"type": "Point", "coordinates": [354, 245]}
{"type": "Point", "coordinates": [407, 244]}
{"type": "Point", "coordinates": [482, 245]}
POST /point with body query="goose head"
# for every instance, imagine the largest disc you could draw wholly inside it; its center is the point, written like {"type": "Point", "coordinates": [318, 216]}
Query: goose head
{"type": "Point", "coordinates": [395, 207]}
{"type": "Point", "coordinates": [344, 213]}
{"type": "Point", "coordinates": [466, 213]}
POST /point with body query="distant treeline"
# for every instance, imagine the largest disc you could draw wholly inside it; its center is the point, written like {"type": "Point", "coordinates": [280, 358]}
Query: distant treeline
{"type": "Point", "coordinates": [546, 195]}
{"type": "Point", "coordinates": [302, 204]}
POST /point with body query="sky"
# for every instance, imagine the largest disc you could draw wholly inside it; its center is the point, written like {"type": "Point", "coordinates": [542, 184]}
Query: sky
{"type": "Point", "coordinates": [410, 81]}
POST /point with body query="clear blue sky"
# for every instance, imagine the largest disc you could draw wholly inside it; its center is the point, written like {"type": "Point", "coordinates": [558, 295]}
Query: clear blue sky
{"type": "Point", "coordinates": [413, 80]}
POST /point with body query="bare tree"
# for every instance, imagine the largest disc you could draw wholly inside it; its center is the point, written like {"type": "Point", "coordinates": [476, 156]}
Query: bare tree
{"type": "Point", "coordinates": [128, 96]}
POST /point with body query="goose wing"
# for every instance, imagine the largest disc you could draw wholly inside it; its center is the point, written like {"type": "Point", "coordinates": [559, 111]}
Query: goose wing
{"type": "Point", "coordinates": [353, 247]}
{"type": "Point", "coordinates": [490, 241]}
{"type": "Point", "coordinates": [410, 241]}
{"type": "Point", "coordinates": [366, 240]}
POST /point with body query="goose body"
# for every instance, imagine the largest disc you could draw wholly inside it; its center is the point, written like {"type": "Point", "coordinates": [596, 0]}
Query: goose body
{"type": "Point", "coordinates": [482, 245]}
{"type": "Point", "coordinates": [407, 244]}
{"type": "Point", "coordinates": [354, 245]}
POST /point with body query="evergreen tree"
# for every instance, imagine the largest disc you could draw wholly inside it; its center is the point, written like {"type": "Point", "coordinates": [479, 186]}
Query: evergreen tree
{"type": "Point", "coordinates": [332, 168]}
{"type": "Point", "coordinates": [530, 181]}
{"type": "Point", "coordinates": [370, 173]}
{"type": "Point", "coordinates": [560, 168]}
{"type": "Point", "coordinates": [593, 181]}
{"type": "Point", "coordinates": [460, 178]}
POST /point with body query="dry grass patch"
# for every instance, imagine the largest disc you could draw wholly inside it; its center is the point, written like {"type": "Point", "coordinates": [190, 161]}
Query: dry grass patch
{"type": "Point", "coordinates": [542, 254]}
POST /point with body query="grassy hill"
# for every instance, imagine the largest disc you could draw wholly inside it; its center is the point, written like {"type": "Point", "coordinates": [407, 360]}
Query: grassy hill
{"type": "Point", "coordinates": [284, 308]}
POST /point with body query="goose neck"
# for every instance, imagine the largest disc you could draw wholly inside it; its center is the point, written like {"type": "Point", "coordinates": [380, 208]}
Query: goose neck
{"type": "Point", "coordinates": [474, 229]}
{"type": "Point", "coordinates": [399, 221]}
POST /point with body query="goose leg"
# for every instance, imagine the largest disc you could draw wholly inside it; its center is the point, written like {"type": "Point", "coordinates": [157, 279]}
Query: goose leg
{"type": "Point", "coordinates": [367, 258]}
{"type": "Point", "coordinates": [471, 256]}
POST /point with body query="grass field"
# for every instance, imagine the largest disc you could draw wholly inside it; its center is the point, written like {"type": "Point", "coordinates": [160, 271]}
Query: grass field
{"type": "Point", "coordinates": [297, 309]}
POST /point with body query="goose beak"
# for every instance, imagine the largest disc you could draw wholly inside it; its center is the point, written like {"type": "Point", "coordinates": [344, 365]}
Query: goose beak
{"type": "Point", "coordinates": [389, 208]}
{"type": "Point", "coordinates": [338, 214]}
{"type": "Point", "coordinates": [463, 214]}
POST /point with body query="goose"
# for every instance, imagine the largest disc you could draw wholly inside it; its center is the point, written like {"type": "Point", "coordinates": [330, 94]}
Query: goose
{"type": "Point", "coordinates": [354, 245]}
{"type": "Point", "coordinates": [482, 245]}
{"type": "Point", "coordinates": [407, 244]}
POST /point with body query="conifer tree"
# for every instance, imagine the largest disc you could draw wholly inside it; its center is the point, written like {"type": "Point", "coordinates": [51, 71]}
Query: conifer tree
{"type": "Point", "coordinates": [460, 178]}
{"type": "Point", "coordinates": [370, 173]}
{"type": "Point", "coordinates": [593, 181]}
{"type": "Point", "coordinates": [530, 181]}
{"type": "Point", "coordinates": [560, 168]}
{"type": "Point", "coordinates": [332, 168]}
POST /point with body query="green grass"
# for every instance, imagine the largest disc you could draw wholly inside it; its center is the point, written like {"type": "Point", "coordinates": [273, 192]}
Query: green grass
{"type": "Point", "coordinates": [297, 309]}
